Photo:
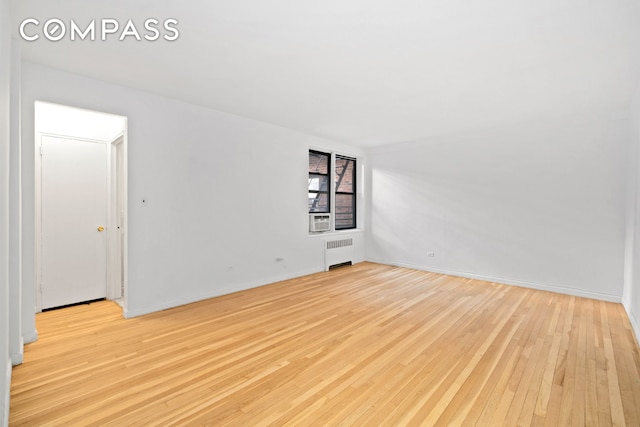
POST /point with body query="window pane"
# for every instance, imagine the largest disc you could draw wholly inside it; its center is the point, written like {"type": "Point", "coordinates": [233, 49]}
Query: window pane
{"type": "Point", "coordinates": [344, 175]}
{"type": "Point", "coordinates": [318, 202]}
{"type": "Point", "coordinates": [345, 211]}
{"type": "Point", "coordinates": [318, 182]}
{"type": "Point", "coordinates": [318, 163]}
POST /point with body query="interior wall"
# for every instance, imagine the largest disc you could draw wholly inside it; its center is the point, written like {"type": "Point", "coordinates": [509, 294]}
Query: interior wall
{"type": "Point", "coordinates": [5, 90]}
{"type": "Point", "coordinates": [538, 204]}
{"type": "Point", "coordinates": [16, 342]}
{"type": "Point", "coordinates": [74, 122]}
{"type": "Point", "coordinates": [631, 294]}
{"type": "Point", "coordinates": [221, 206]}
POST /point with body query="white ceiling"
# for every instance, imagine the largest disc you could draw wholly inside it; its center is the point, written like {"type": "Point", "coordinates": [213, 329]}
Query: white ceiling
{"type": "Point", "coordinates": [365, 72]}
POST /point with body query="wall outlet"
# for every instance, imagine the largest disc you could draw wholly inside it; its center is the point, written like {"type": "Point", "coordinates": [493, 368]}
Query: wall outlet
{"type": "Point", "coordinates": [431, 254]}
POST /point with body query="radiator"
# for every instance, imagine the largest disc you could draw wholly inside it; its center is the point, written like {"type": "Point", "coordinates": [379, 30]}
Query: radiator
{"type": "Point", "coordinates": [337, 252]}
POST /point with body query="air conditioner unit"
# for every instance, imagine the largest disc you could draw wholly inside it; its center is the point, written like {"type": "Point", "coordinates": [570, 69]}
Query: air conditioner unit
{"type": "Point", "coordinates": [319, 222]}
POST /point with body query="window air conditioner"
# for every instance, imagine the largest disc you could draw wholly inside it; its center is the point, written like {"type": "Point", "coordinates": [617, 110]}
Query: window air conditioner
{"type": "Point", "coordinates": [319, 222]}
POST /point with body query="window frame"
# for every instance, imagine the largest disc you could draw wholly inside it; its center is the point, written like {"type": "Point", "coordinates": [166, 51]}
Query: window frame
{"type": "Point", "coordinates": [329, 176]}
{"type": "Point", "coordinates": [353, 193]}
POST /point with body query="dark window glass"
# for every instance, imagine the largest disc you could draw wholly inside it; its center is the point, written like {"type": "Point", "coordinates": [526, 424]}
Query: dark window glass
{"type": "Point", "coordinates": [319, 182]}
{"type": "Point", "coordinates": [345, 181]}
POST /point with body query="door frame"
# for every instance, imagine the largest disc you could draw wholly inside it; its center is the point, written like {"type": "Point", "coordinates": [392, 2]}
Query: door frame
{"type": "Point", "coordinates": [117, 246]}
{"type": "Point", "coordinates": [114, 286]}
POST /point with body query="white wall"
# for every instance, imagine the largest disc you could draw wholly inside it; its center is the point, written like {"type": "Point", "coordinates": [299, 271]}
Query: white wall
{"type": "Point", "coordinates": [631, 294]}
{"type": "Point", "coordinates": [223, 200]}
{"type": "Point", "coordinates": [537, 204]}
{"type": "Point", "coordinates": [16, 342]}
{"type": "Point", "coordinates": [5, 85]}
{"type": "Point", "coordinates": [62, 120]}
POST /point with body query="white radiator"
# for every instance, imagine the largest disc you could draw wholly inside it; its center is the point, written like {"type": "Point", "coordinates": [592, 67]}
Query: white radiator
{"type": "Point", "coordinates": [337, 252]}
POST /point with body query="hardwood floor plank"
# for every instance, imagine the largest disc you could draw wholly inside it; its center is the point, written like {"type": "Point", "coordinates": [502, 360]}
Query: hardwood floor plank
{"type": "Point", "coordinates": [613, 380]}
{"type": "Point", "coordinates": [520, 384]}
{"type": "Point", "coordinates": [363, 345]}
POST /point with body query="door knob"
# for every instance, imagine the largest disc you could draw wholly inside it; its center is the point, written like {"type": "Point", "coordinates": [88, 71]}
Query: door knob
{"type": "Point", "coordinates": [101, 229]}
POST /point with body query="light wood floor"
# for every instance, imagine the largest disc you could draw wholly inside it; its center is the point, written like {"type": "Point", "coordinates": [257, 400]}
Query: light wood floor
{"type": "Point", "coordinates": [364, 345]}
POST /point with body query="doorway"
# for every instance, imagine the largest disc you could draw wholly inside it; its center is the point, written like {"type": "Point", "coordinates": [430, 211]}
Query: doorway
{"type": "Point", "coordinates": [80, 205]}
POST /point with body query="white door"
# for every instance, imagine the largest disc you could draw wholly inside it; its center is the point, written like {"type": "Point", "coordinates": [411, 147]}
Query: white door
{"type": "Point", "coordinates": [74, 209]}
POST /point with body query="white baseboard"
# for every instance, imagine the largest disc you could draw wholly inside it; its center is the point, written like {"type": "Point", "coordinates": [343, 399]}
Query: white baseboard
{"type": "Point", "coordinates": [635, 326]}
{"type": "Point", "coordinates": [523, 284]}
{"type": "Point", "coordinates": [30, 337]}
{"type": "Point", "coordinates": [4, 409]}
{"type": "Point", "coordinates": [164, 305]}
{"type": "Point", "coordinates": [17, 358]}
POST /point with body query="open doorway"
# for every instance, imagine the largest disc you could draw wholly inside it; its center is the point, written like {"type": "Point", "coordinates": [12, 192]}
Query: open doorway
{"type": "Point", "coordinates": [81, 198]}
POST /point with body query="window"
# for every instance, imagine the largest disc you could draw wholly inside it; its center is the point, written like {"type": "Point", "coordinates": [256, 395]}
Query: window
{"type": "Point", "coordinates": [326, 169]}
{"type": "Point", "coordinates": [345, 180]}
{"type": "Point", "coordinates": [319, 182]}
